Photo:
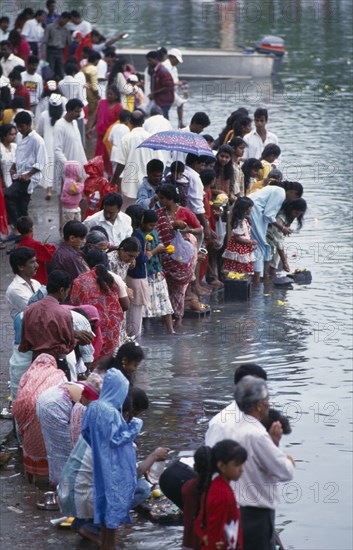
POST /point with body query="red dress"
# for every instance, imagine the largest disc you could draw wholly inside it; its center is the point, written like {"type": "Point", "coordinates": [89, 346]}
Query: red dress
{"type": "Point", "coordinates": [222, 518]}
{"type": "Point", "coordinates": [85, 290]}
{"type": "Point", "coordinates": [44, 253]}
{"type": "Point", "coordinates": [239, 258]}
{"type": "Point", "coordinates": [106, 116]}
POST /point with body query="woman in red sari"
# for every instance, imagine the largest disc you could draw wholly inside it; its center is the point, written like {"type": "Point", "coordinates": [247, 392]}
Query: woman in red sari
{"type": "Point", "coordinates": [107, 292]}
{"type": "Point", "coordinates": [171, 217]}
{"type": "Point", "coordinates": [108, 112]}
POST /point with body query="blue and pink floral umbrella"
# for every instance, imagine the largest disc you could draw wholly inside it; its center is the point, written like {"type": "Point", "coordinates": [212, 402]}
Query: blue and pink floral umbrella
{"type": "Point", "coordinates": [183, 142]}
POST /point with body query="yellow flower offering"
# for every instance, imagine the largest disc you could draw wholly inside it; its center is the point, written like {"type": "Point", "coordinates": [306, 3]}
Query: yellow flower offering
{"type": "Point", "coordinates": [156, 493]}
{"type": "Point", "coordinates": [236, 276]}
{"type": "Point", "coordinates": [280, 303]}
{"type": "Point", "coordinates": [149, 238]}
{"type": "Point", "coordinates": [170, 249]}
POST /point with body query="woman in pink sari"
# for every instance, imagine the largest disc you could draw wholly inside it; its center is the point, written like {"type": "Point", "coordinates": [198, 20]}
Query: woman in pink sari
{"type": "Point", "coordinates": [171, 217]}
{"type": "Point", "coordinates": [41, 375]}
{"type": "Point", "coordinates": [108, 112]}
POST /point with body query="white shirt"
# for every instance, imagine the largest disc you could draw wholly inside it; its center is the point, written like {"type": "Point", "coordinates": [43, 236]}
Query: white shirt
{"type": "Point", "coordinates": [134, 160]}
{"type": "Point", "coordinates": [265, 466]}
{"type": "Point", "coordinates": [31, 153]}
{"type": "Point", "coordinates": [84, 27]}
{"type": "Point", "coordinates": [118, 231]}
{"type": "Point", "coordinates": [196, 191]}
{"type": "Point", "coordinates": [7, 159]}
{"type": "Point", "coordinates": [4, 35]}
{"type": "Point", "coordinates": [10, 63]}
{"type": "Point", "coordinates": [256, 145]}
{"type": "Point", "coordinates": [221, 426]}
{"type": "Point", "coordinates": [116, 135]}
{"type": "Point", "coordinates": [157, 123]}
{"type": "Point", "coordinates": [34, 86]}
{"type": "Point", "coordinates": [68, 143]}
{"type": "Point", "coordinates": [74, 87]}
{"type": "Point", "coordinates": [102, 68]}
{"type": "Point", "coordinates": [33, 30]}
{"type": "Point", "coordinates": [18, 293]}
{"type": "Point", "coordinates": [172, 69]}
{"type": "Point", "coordinates": [81, 322]}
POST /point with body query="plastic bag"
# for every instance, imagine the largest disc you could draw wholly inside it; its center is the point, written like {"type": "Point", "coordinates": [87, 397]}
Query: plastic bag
{"type": "Point", "coordinates": [183, 250]}
{"type": "Point", "coordinates": [220, 229]}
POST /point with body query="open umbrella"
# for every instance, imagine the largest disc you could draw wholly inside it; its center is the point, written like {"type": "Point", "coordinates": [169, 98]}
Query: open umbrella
{"type": "Point", "coordinates": [183, 142]}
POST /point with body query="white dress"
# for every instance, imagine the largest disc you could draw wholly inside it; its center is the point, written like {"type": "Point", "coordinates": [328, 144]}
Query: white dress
{"type": "Point", "coordinates": [7, 158]}
{"type": "Point", "coordinates": [46, 130]}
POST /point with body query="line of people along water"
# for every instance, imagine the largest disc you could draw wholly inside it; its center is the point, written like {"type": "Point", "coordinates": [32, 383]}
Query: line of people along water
{"type": "Point", "coordinates": [145, 234]}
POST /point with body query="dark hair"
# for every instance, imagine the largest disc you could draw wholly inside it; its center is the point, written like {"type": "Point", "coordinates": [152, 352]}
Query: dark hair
{"type": "Point", "coordinates": [39, 12]}
{"type": "Point", "coordinates": [114, 88]}
{"type": "Point", "coordinates": [137, 118]}
{"type": "Point", "coordinates": [15, 36]}
{"type": "Point", "coordinates": [276, 416]}
{"type": "Point", "coordinates": [70, 68]}
{"type": "Point", "coordinates": [112, 199]}
{"type": "Point", "coordinates": [131, 351]}
{"type": "Point", "coordinates": [191, 159]}
{"type": "Point", "coordinates": [117, 68]}
{"type": "Point", "coordinates": [203, 468]}
{"type": "Point", "coordinates": [201, 118]}
{"type": "Point", "coordinates": [4, 18]}
{"type": "Point", "coordinates": [228, 169]}
{"type": "Point", "coordinates": [23, 118]}
{"type": "Point", "coordinates": [109, 52]}
{"type": "Point", "coordinates": [247, 369]}
{"type": "Point", "coordinates": [153, 54]}
{"type": "Point", "coordinates": [139, 400]}
{"type": "Point", "coordinates": [149, 216]}
{"type": "Point", "coordinates": [93, 56]}
{"type": "Point", "coordinates": [24, 224]}
{"type": "Point", "coordinates": [288, 207]}
{"type": "Point", "coordinates": [271, 149]}
{"type": "Point", "coordinates": [55, 113]}
{"type": "Point", "coordinates": [236, 142]}
{"type": "Point", "coordinates": [20, 256]}
{"type": "Point", "coordinates": [72, 104]}
{"type": "Point", "coordinates": [65, 15]}
{"type": "Point", "coordinates": [95, 257]}
{"type": "Point", "coordinates": [100, 229]}
{"type": "Point", "coordinates": [208, 138]}
{"type": "Point", "coordinates": [5, 43]}
{"type": "Point", "coordinates": [50, 3]}
{"type": "Point", "coordinates": [135, 211]}
{"type": "Point", "coordinates": [58, 279]}
{"type": "Point", "coordinates": [239, 124]}
{"type": "Point", "coordinates": [169, 192]}
{"type": "Point", "coordinates": [75, 13]}
{"type": "Point", "coordinates": [207, 176]}
{"type": "Point", "coordinates": [223, 451]}
{"type": "Point", "coordinates": [239, 210]}
{"type": "Point", "coordinates": [124, 115]}
{"type": "Point", "coordinates": [249, 165]}
{"type": "Point", "coordinates": [292, 186]}
{"type": "Point", "coordinates": [33, 59]}
{"type": "Point", "coordinates": [15, 74]}
{"type": "Point", "coordinates": [5, 129]}
{"type": "Point", "coordinates": [74, 228]}
{"type": "Point", "coordinates": [259, 113]}
{"type": "Point", "coordinates": [177, 167]}
{"type": "Point", "coordinates": [238, 114]}
{"type": "Point", "coordinates": [154, 165]}
{"type": "Point", "coordinates": [131, 244]}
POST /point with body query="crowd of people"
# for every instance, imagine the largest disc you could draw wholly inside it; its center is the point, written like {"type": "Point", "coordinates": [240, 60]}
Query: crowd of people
{"type": "Point", "coordinates": [145, 234]}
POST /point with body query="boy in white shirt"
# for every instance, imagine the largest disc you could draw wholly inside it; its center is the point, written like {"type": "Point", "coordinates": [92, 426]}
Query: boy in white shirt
{"type": "Point", "coordinates": [33, 81]}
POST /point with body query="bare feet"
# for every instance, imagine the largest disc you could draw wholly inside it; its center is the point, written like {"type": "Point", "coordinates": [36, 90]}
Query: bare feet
{"type": "Point", "coordinates": [86, 534]}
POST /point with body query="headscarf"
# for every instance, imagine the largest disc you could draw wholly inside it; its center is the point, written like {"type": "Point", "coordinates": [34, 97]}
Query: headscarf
{"type": "Point", "coordinates": [114, 457]}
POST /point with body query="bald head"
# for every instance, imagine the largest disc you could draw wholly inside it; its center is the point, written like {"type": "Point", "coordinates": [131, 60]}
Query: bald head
{"type": "Point", "coordinates": [137, 119]}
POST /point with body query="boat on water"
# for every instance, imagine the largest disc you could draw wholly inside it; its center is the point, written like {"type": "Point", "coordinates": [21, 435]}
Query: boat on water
{"type": "Point", "coordinates": [262, 61]}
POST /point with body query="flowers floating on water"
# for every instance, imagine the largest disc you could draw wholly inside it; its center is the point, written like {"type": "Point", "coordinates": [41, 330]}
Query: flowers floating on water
{"type": "Point", "coordinates": [149, 237]}
{"type": "Point", "coordinates": [280, 303]}
{"type": "Point", "coordinates": [169, 249]}
{"type": "Point", "coordinates": [236, 276]}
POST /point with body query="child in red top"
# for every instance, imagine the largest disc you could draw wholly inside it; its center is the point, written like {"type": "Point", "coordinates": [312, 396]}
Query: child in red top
{"type": "Point", "coordinates": [44, 252]}
{"type": "Point", "coordinates": [238, 255]}
{"type": "Point", "coordinates": [218, 521]}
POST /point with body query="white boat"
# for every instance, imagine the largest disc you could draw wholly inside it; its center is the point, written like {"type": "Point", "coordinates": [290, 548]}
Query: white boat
{"type": "Point", "coordinates": [260, 62]}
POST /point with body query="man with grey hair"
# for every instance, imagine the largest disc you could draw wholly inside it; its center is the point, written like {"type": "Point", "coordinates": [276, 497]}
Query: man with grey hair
{"type": "Point", "coordinates": [256, 490]}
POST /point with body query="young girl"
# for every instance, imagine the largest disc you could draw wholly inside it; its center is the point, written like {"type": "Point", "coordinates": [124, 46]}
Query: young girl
{"type": "Point", "coordinates": [238, 255]}
{"type": "Point", "coordinates": [72, 192]}
{"type": "Point", "coordinates": [218, 521]}
{"type": "Point", "coordinates": [290, 211]}
{"type": "Point", "coordinates": [238, 146]}
{"type": "Point", "coordinates": [137, 277]}
{"type": "Point", "coordinates": [124, 256]}
{"type": "Point", "coordinates": [177, 178]}
{"type": "Point", "coordinates": [160, 305]}
{"type": "Point", "coordinates": [251, 170]}
{"type": "Point", "coordinates": [225, 172]}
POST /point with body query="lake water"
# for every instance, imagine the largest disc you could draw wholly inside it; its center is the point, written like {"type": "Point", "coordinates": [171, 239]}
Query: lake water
{"type": "Point", "coordinates": [303, 344]}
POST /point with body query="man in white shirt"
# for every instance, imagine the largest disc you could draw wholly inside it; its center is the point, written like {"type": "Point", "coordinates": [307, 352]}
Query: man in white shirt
{"type": "Point", "coordinates": [33, 31]}
{"type": "Point", "coordinates": [266, 465]}
{"type": "Point", "coordinates": [8, 60]}
{"type": "Point", "coordinates": [32, 81]}
{"type": "Point", "coordinates": [257, 139]}
{"type": "Point", "coordinates": [79, 24]}
{"type": "Point", "coordinates": [131, 161]}
{"type": "Point", "coordinates": [31, 159]}
{"type": "Point", "coordinates": [117, 133]}
{"type": "Point", "coordinates": [116, 223]}
{"type": "Point", "coordinates": [174, 58]}
{"type": "Point", "coordinates": [67, 138]}
{"type": "Point", "coordinates": [4, 28]}
{"type": "Point", "coordinates": [24, 265]}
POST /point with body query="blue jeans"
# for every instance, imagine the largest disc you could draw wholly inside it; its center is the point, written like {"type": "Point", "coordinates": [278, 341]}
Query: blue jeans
{"type": "Point", "coordinates": [165, 111]}
{"type": "Point", "coordinates": [142, 491]}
